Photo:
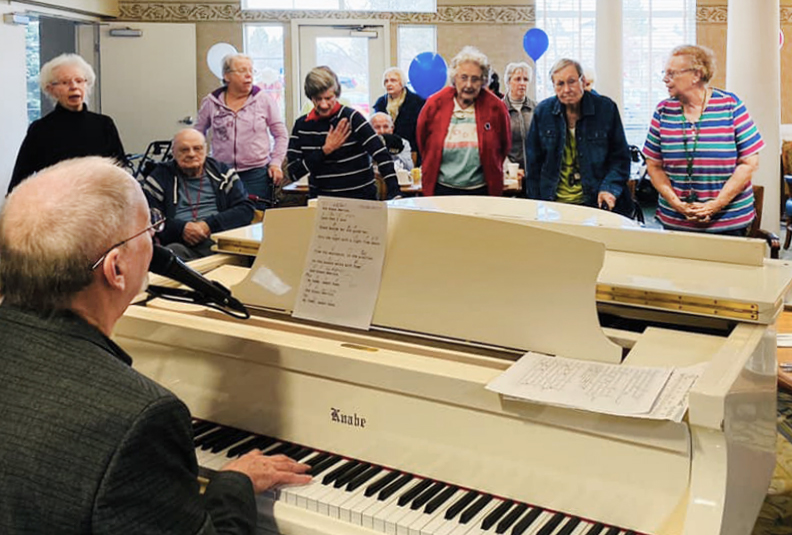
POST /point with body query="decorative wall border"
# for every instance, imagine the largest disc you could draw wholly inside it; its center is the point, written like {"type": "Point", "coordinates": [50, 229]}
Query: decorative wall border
{"type": "Point", "coordinates": [231, 12]}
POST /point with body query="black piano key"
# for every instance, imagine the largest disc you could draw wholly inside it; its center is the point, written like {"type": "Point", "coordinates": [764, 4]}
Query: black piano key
{"type": "Point", "coordinates": [218, 437]}
{"type": "Point", "coordinates": [295, 448]}
{"type": "Point", "coordinates": [313, 461]}
{"type": "Point", "coordinates": [426, 495]}
{"type": "Point", "coordinates": [496, 515]}
{"type": "Point", "coordinates": [460, 504]}
{"type": "Point", "coordinates": [242, 447]}
{"type": "Point", "coordinates": [570, 526]}
{"type": "Point", "coordinates": [200, 427]}
{"type": "Point", "coordinates": [200, 441]}
{"type": "Point", "coordinates": [362, 478]}
{"type": "Point", "coordinates": [411, 494]}
{"type": "Point", "coordinates": [324, 465]}
{"type": "Point", "coordinates": [388, 491]}
{"type": "Point", "coordinates": [551, 524]}
{"type": "Point", "coordinates": [595, 529]}
{"type": "Point", "coordinates": [510, 518]}
{"type": "Point", "coordinates": [351, 474]}
{"type": "Point", "coordinates": [338, 472]}
{"type": "Point", "coordinates": [230, 440]}
{"type": "Point", "coordinates": [525, 522]}
{"type": "Point", "coordinates": [629, 532]}
{"type": "Point", "coordinates": [302, 453]}
{"type": "Point", "coordinates": [440, 499]}
{"type": "Point", "coordinates": [280, 448]}
{"type": "Point", "coordinates": [379, 484]}
{"type": "Point", "coordinates": [260, 443]}
{"type": "Point", "coordinates": [474, 509]}
{"type": "Point", "coordinates": [613, 531]}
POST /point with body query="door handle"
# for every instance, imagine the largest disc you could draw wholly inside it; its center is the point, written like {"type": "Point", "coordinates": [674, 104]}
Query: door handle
{"type": "Point", "coordinates": [187, 120]}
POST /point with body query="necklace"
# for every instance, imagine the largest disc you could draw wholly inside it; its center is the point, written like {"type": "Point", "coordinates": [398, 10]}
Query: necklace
{"type": "Point", "coordinates": [690, 157]}
{"type": "Point", "coordinates": [194, 206]}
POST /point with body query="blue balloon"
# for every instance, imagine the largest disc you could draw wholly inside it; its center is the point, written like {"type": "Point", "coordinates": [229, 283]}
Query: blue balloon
{"type": "Point", "coordinates": [428, 73]}
{"type": "Point", "coordinates": [535, 43]}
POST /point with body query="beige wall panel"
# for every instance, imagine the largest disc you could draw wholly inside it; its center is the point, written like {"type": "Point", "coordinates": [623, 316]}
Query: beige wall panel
{"type": "Point", "coordinates": [208, 34]}
{"type": "Point", "coordinates": [714, 37]}
{"type": "Point", "coordinates": [501, 43]}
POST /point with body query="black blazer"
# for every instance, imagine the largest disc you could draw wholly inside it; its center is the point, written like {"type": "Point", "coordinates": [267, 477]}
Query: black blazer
{"type": "Point", "coordinates": [88, 445]}
{"type": "Point", "coordinates": [407, 120]}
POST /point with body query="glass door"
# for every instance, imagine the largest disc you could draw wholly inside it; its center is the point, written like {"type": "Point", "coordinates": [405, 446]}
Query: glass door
{"type": "Point", "coordinates": [357, 54]}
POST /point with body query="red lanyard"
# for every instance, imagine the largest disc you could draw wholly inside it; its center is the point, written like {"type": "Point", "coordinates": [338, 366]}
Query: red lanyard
{"type": "Point", "coordinates": [194, 207]}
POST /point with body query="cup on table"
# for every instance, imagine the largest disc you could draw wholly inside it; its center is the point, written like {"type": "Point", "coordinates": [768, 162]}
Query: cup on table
{"type": "Point", "coordinates": [416, 176]}
{"type": "Point", "coordinates": [512, 169]}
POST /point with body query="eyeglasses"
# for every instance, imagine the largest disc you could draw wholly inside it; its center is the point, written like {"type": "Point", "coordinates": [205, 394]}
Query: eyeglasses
{"type": "Point", "coordinates": [673, 74]}
{"type": "Point", "coordinates": [464, 78]}
{"type": "Point", "coordinates": [560, 84]}
{"type": "Point", "coordinates": [157, 225]}
{"type": "Point", "coordinates": [254, 72]}
{"type": "Point", "coordinates": [69, 82]}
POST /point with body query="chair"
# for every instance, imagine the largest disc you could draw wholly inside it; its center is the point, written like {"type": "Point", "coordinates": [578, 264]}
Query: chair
{"type": "Point", "coordinates": [756, 231]}
{"type": "Point", "coordinates": [157, 151]}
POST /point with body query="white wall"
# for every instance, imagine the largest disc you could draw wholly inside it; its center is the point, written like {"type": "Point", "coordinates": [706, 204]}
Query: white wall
{"type": "Point", "coordinates": [13, 104]}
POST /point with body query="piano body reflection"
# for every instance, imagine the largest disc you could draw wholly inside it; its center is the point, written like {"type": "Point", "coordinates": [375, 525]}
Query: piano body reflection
{"type": "Point", "coordinates": [469, 285]}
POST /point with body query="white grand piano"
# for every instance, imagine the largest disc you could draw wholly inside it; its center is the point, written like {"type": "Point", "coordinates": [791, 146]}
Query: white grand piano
{"type": "Point", "coordinates": [468, 286]}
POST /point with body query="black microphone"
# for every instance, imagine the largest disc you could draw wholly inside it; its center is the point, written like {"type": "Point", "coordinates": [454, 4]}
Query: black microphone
{"type": "Point", "coordinates": [164, 262]}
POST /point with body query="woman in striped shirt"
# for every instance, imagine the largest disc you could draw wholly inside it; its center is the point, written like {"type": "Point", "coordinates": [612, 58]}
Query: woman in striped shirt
{"type": "Point", "coordinates": [701, 150]}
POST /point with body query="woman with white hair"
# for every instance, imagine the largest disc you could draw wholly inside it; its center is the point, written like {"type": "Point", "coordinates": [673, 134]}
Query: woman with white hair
{"type": "Point", "coordinates": [521, 108]}
{"type": "Point", "coordinates": [70, 130]}
{"type": "Point", "coordinates": [463, 132]}
{"type": "Point", "coordinates": [242, 117]}
{"type": "Point", "coordinates": [402, 105]}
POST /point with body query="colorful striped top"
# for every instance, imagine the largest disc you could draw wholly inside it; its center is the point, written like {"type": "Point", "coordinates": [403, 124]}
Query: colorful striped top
{"type": "Point", "coordinates": [723, 134]}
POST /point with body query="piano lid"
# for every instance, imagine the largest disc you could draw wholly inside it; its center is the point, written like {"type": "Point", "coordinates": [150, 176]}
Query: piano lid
{"type": "Point", "coordinates": [476, 280]}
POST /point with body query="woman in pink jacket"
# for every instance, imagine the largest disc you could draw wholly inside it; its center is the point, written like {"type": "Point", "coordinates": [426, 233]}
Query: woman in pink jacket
{"type": "Point", "coordinates": [463, 132]}
{"type": "Point", "coordinates": [241, 117]}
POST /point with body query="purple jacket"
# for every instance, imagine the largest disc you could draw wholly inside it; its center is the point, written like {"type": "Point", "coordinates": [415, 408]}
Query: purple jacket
{"type": "Point", "coordinates": [241, 140]}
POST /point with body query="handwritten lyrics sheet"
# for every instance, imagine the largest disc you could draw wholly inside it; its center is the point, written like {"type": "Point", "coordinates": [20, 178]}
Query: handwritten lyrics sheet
{"type": "Point", "coordinates": [341, 279]}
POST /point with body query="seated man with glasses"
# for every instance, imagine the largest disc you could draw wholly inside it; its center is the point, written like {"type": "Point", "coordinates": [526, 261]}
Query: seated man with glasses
{"type": "Point", "coordinates": [198, 195]}
{"type": "Point", "coordinates": [576, 148]}
{"type": "Point", "coordinates": [89, 444]}
{"type": "Point", "coordinates": [463, 132]}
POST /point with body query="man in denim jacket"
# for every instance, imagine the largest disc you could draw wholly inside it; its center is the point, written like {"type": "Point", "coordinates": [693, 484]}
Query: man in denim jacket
{"type": "Point", "coordinates": [576, 149]}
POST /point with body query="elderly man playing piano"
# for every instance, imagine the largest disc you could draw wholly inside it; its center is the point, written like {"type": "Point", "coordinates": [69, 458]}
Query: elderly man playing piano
{"type": "Point", "coordinates": [88, 445]}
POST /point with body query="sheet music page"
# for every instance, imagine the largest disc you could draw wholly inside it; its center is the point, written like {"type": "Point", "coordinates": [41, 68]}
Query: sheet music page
{"type": "Point", "coordinates": [592, 386]}
{"type": "Point", "coordinates": [672, 403]}
{"type": "Point", "coordinates": [343, 269]}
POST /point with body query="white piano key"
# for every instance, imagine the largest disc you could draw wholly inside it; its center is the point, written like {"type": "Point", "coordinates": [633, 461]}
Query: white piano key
{"type": "Point", "coordinates": [539, 523]}
{"type": "Point", "coordinates": [352, 510]}
{"type": "Point", "coordinates": [341, 497]}
{"type": "Point", "coordinates": [425, 519]}
{"type": "Point", "coordinates": [393, 512]}
{"type": "Point", "coordinates": [393, 517]}
{"type": "Point", "coordinates": [289, 494]}
{"type": "Point", "coordinates": [377, 509]}
{"type": "Point", "coordinates": [474, 523]}
{"type": "Point", "coordinates": [439, 520]}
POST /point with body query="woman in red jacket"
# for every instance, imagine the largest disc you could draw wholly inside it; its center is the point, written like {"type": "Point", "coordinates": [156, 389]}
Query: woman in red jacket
{"type": "Point", "coordinates": [463, 132]}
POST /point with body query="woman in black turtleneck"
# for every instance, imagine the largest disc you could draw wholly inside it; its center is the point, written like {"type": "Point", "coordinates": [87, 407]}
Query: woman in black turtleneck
{"type": "Point", "coordinates": [70, 130]}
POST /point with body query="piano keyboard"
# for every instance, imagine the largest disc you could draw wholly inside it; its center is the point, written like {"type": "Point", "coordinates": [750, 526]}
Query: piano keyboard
{"type": "Point", "coordinates": [379, 499]}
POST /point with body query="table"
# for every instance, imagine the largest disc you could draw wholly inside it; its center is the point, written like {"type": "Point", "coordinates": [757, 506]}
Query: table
{"type": "Point", "coordinates": [784, 354]}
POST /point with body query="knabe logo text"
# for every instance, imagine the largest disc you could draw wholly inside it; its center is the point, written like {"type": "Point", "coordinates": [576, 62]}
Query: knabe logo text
{"type": "Point", "coordinates": [352, 420]}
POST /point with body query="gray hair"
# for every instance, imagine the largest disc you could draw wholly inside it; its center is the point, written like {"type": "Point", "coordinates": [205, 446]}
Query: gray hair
{"type": "Point", "coordinates": [511, 68]}
{"type": "Point", "coordinates": [398, 72]}
{"type": "Point", "coordinates": [563, 63]}
{"type": "Point", "coordinates": [381, 114]}
{"type": "Point", "coordinates": [48, 242]}
{"type": "Point", "coordinates": [47, 73]}
{"type": "Point", "coordinates": [701, 58]}
{"type": "Point", "coordinates": [470, 54]}
{"type": "Point", "coordinates": [320, 79]}
{"type": "Point", "coordinates": [228, 62]}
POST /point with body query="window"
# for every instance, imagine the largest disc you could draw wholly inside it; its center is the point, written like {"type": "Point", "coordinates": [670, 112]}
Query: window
{"type": "Point", "coordinates": [394, 6]}
{"type": "Point", "coordinates": [33, 66]}
{"type": "Point", "coordinates": [651, 28]}
{"type": "Point", "coordinates": [412, 41]}
{"type": "Point", "coordinates": [264, 43]}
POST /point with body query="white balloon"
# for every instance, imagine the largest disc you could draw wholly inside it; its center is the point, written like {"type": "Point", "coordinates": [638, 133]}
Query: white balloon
{"type": "Point", "coordinates": [214, 58]}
